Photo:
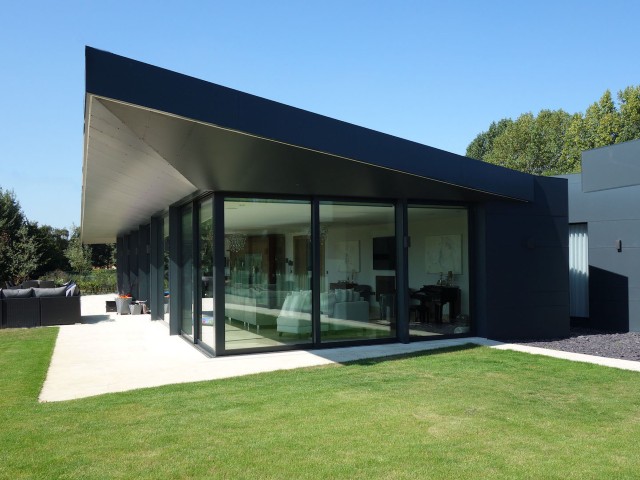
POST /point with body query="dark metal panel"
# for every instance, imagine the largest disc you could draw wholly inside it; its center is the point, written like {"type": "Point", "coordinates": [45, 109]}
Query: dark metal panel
{"type": "Point", "coordinates": [634, 310]}
{"type": "Point", "coordinates": [523, 267]}
{"type": "Point", "coordinates": [402, 271]}
{"type": "Point", "coordinates": [120, 253]}
{"type": "Point", "coordinates": [608, 300]}
{"type": "Point", "coordinates": [613, 166]}
{"type": "Point", "coordinates": [175, 270]}
{"type": "Point", "coordinates": [196, 281]}
{"type": "Point", "coordinates": [605, 205]}
{"type": "Point", "coordinates": [316, 274]}
{"type": "Point", "coordinates": [133, 264]}
{"type": "Point", "coordinates": [612, 216]}
{"type": "Point", "coordinates": [156, 269]}
{"type": "Point", "coordinates": [604, 234]}
{"type": "Point", "coordinates": [126, 279]}
{"type": "Point", "coordinates": [123, 79]}
{"type": "Point", "coordinates": [217, 159]}
{"type": "Point", "coordinates": [143, 262]}
{"type": "Point", "coordinates": [480, 320]}
{"type": "Point", "coordinates": [219, 273]}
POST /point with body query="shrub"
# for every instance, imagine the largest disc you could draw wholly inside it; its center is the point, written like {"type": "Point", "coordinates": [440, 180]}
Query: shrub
{"type": "Point", "coordinates": [94, 282]}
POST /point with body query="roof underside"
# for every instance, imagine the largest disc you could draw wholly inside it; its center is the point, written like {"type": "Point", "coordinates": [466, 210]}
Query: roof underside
{"type": "Point", "coordinates": [153, 137]}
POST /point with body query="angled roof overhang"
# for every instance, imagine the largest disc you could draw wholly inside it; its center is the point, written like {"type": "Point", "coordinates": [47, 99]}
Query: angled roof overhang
{"type": "Point", "coordinates": [153, 137]}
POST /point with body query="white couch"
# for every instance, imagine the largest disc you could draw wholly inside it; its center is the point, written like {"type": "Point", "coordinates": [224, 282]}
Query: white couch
{"type": "Point", "coordinates": [339, 311]}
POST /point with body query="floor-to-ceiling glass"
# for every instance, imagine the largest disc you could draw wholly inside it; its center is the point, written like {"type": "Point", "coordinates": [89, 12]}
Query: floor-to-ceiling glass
{"type": "Point", "coordinates": [267, 273]}
{"type": "Point", "coordinates": [438, 270]}
{"type": "Point", "coordinates": [358, 271]}
{"type": "Point", "coordinates": [186, 270]}
{"type": "Point", "coordinates": [205, 274]}
{"type": "Point", "coordinates": [165, 277]}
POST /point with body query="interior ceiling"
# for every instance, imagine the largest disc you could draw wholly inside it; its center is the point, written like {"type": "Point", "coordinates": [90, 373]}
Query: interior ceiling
{"type": "Point", "coordinates": [138, 162]}
{"type": "Point", "coordinates": [242, 215]}
{"type": "Point", "coordinates": [125, 181]}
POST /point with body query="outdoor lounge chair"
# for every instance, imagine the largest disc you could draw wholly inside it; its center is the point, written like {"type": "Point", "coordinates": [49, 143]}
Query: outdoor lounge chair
{"type": "Point", "coordinates": [21, 312]}
{"type": "Point", "coordinates": [59, 310]}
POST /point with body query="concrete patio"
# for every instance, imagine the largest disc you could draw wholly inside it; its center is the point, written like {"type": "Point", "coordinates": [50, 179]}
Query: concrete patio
{"type": "Point", "coordinates": [111, 353]}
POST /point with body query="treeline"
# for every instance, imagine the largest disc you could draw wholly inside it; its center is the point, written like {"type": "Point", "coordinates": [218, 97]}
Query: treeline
{"type": "Point", "coordinates": [551, 142]}
{"type": "Point", "coordinates": [29, 250]}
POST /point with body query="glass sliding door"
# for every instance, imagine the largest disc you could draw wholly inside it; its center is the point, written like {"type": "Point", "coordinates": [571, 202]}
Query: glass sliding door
{"type": "Point", "coordinates": [268, 276]}
{"type": "Point", "coordinates": [165, 285]}
{"type": "Point", "coordinates": [358, 276]}
{"type": "Point", "coordinates": [438, 270]}
{"type": "Point", "coordinates": [206, 273]}
{"type": "Point", "coordinates": [186, 271]}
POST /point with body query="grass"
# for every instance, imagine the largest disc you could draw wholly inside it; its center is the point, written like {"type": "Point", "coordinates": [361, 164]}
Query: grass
{"type": "Point", "coordinates": [458, 413]}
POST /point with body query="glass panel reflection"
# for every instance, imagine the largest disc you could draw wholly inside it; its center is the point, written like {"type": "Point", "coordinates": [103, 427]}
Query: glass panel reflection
{"type": "Point", "coordinates": [186, 271]}
{"type": "Point", "coordinates": [165, 287]}
{"type": "Point", "coordinates": [438, 271]}
{"type": "Point", "coordinates": [267, 273]}
{"type": "Point", "coordinates": [207, 317]}
{"type": "Point", "coordinates": [358, 288]}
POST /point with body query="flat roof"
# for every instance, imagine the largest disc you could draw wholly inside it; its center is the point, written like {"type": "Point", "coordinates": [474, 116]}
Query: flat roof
{"type": "Point", "coordinates": [154, 137]}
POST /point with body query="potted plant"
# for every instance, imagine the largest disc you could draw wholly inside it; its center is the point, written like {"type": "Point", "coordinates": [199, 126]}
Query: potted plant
{"type": "Point", "coordinates": [123, 301]}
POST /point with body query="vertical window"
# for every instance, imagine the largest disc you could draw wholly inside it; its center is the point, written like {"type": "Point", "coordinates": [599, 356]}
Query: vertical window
{"type": "Point", "coordinates": [268, 275]}
{"type": "Point", "coordinates": [438, 271]}
{"type": "Point", "coordinates": [579, 270]}
{"type": "Point", "coordinates": [358, 265]}
{"type": "Point", "coordinates": [186, 270]}
{"type": "Point", "coordinates": [165, 284]}
{"type": "Point", "coordinates": [206, 273]}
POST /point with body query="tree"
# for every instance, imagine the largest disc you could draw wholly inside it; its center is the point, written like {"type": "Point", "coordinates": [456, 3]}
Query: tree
{"type": "Point", "coordinates": [532, 144]}
{"type": "Point", "coordinates": [103, 255]}
{"type": "Point", "coordinates": [629, 99]}
{"type": "Point", "coordinates": [52, 245]}
{"type": "Point", "coordinates": [575, 142]}
{"type": "Point", "coordinates": [19, 251]}
{"type": "Point", "coordinates": [552, 142]}
{"type": "Point", "coordinates": [602, 122]}
{"type": "Point", "coordinates": [11, 216]}
{"type": "Point", "coordinates": [79, 255]}
{"type": "Point", "coordinates": [23, 255]}
{"type": "Point", "coordinates": [482, 145]}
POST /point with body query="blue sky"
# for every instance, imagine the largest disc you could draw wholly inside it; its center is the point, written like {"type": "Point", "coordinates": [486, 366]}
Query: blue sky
{"type": "Point", "coordinates": [434, 72]}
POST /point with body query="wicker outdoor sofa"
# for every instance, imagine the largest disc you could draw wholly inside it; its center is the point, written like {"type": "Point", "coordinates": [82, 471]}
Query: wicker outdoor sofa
{"type": "Point", "coordinates": [35, 307]}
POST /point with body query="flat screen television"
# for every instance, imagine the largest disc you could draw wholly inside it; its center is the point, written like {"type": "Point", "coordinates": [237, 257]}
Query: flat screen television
{"type": "Point", "coordinates": [384, 253]}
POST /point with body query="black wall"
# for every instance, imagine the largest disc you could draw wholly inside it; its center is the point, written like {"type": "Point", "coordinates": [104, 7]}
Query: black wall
{"type": "Point", "coordinates": [143, 262]}
{"type": "Point", "coordinates": [522, 276]}
{"type": "Point", "coordinates": [611, 214]}
{"type": "Point", "coordinates": [133, 263]}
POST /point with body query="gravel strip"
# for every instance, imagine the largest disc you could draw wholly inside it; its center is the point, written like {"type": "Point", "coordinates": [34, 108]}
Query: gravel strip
{"type": "Point", "coordinates": [625, 346]}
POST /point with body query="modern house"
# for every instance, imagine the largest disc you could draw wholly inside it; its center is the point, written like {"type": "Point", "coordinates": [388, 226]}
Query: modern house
{"type": "Point", "coordinates": [250, 225]}
{"type": "Point", "coordinates": [605, 238]}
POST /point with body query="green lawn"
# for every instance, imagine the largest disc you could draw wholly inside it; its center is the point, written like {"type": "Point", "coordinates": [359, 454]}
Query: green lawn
{"type": "Point", "coordinates": [461, 413]}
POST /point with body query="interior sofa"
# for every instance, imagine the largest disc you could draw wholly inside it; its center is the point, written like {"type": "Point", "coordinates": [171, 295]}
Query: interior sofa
{"type": "Point", "coordinates": [266, 296]}
{"type": "Point", "coordinates": [35, 307]}
{"type": "Point", "coordinates": [256, 305]}
{"type": "Point", "coordinates": [340, 309]}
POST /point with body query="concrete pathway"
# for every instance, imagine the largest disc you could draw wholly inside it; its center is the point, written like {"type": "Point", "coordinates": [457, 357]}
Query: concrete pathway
{"type": "Point", "coordinates": [110, 353]}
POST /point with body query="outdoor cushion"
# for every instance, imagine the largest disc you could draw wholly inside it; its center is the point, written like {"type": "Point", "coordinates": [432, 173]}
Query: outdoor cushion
{"type": "Point", "coordinates": [50, 292]}
{"type": "Point", "coordinates": [306, 301]}
{"type": "Point", "coordinates": [296, 302]}
{"type": "Point", "coordinates": [287, 303]}
{"type": "Point", "coordinates": [72, 290]}
{"type": "Point", "coordinates": [18, 293]}
{"type": "Point", "coordinates": [327, 301]}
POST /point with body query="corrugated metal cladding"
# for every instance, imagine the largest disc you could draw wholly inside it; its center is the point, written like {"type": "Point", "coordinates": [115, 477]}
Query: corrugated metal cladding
{"type": "Point", "coordinates": [579, 270]}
